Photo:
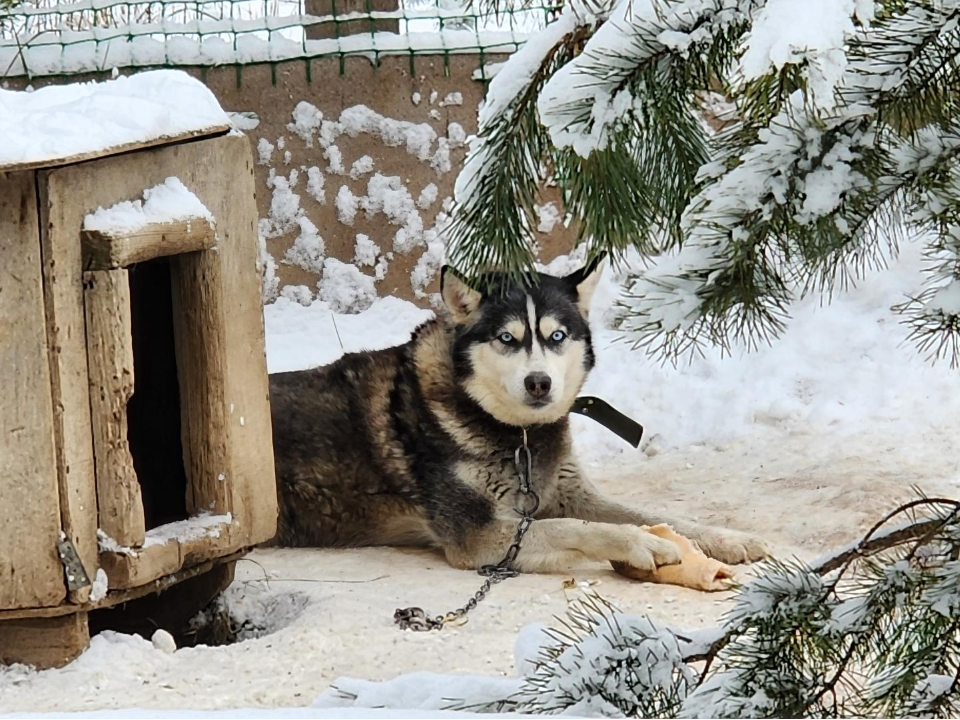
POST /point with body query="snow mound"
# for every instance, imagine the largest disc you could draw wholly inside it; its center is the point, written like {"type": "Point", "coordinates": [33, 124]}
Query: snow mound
{"type": "Point", "coordinates": [168, 202]}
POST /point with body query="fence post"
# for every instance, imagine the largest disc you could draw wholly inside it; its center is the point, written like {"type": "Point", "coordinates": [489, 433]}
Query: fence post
{"type": "Point", "coordinates": [339, 8]}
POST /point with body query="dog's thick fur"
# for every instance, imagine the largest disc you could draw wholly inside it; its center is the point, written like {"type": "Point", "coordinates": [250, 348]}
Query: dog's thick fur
{"type": "Point", "coordinates": [414, 445]}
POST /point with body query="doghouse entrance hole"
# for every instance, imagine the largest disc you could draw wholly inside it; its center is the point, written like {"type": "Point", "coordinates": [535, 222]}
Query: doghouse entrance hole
{"type": "Point", "coordinates": [244, 613]}
{"type": "Point", "coordinates": [153, 413]}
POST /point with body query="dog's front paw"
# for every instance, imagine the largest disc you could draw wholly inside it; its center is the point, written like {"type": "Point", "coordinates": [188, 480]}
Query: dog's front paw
{"type": "Point", "coordinates": [731, 546]}
{"type": "Point", "coordinates": [649, 552]}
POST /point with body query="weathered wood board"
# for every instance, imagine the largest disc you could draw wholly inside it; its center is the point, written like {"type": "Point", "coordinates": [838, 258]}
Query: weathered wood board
{"type": "Point", "coordinates": [30, 571]}
{"type": "Point", "coordinates": [106, 298]}
{"type": "Point", "coordinates": [105, 251]}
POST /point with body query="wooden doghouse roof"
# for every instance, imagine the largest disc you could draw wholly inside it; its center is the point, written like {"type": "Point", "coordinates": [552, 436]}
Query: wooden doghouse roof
{"type": "Point", "coordinates": [63, 125]}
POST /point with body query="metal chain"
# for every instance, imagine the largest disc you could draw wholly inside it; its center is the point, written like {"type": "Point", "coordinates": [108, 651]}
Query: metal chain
{"type": "Point", "coordinates": [416, 619]}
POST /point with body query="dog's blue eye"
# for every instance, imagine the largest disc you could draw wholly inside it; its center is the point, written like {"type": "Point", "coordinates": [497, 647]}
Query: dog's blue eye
{"type": "Point", "coordinates": [506, 338]}
{"type": "Point", "coordinates": [558, 336]}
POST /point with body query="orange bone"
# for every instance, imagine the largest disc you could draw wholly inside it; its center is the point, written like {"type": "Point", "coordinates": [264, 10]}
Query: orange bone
{"type": "Point", "coordinates": [695, 570]}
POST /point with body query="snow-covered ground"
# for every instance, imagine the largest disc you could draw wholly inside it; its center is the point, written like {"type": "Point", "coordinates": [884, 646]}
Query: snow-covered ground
{"type": "Point", "coordinates": [806, 442]}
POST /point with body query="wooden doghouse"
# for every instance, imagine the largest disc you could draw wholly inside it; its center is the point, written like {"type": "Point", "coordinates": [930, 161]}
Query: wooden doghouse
{"type": "Point", "coordinates": [135, 435]}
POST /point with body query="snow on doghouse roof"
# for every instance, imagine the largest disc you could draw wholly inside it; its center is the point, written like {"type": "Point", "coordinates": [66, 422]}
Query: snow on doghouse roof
{"type": "Point", "coordinates": [60, 124]}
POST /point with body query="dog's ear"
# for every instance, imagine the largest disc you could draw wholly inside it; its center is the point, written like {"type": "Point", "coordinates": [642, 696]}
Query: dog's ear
{"type": "Point", "coordinates": [584, 282]}
{"type": "Point", "coordinates": [461, 299]}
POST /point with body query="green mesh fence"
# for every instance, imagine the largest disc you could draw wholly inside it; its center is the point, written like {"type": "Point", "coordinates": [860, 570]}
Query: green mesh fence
{"type": "Point", "coordinates": [42, 38]}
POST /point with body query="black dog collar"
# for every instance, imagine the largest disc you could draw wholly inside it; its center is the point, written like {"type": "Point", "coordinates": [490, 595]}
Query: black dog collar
{"type": "Point", "coordinates": [611, 418]}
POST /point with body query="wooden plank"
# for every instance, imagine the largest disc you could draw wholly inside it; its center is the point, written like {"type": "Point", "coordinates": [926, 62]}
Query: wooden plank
{"type": "Point", "coordinates": [110, 360]}
{"type": "Point", "coordinates": [139, 567]}
{"type": "Point", "coordinates": [202, 549]}
{"type": "Point", "coordinates": [120, 596]}
{"type": "Point", "coordinates": [106, 251]}
{"type": "Point", "coordinates": [62, 209]}
{"type": "Point", "coordinates": [30, 571]}
{"type": "Point", "coordinates": [199, 325]}
{"type": "Point", "coordinates": [44, 642]}
{"type": "Point", "coordinates": [253, 481]}
{"type": "Point", "coordinates": [115, 150]}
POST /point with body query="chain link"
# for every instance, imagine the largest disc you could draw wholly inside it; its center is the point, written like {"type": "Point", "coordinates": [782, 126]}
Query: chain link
{"type": "Point", "coordinates": [416, 619]}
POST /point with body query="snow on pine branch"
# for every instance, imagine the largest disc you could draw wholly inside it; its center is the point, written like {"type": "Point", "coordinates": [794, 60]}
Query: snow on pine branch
{"type": "Point", "coordinates": [798, 209]}
{"type": "Point", "coordinates": [496, 189]}
{"type": "Point", "coordinates": [733, 230]}
{"type": "Point", "coordinates": [513, 79]}
{"type": "Point", "coordinates": [901, 64]}
{"type": "Point", "coordinates": [587, 97]}
{"type": "Point", "coordinates": [618, 665]}
{"type": "Point", "coordinates": [933, 313]}
{"type": "Point", "coordinates": [811, 33]}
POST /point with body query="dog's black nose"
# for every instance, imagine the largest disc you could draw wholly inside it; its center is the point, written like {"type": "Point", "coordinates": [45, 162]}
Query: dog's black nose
{"type": "Point", "coordinates": [537, 384]}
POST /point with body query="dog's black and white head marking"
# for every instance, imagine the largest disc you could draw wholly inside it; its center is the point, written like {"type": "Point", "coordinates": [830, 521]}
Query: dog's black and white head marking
{"type": "Point", "coordinates": [522, 352]}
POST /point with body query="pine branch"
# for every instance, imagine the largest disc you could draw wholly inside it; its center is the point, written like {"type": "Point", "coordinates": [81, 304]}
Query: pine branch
{"type": "Point", "coordinates": [802, 207]}
{"type": "Point", "coordinates": [498, 186]}
{"type": "Point", "coordinates": [692, 42]}
{"type": "Point", "coordinates": [804, 194]}
{"type": "Point", "coordinates": [933, 314]}
{"type": "Point", "coordinates": [729, 281]}
{"type": "Point", "coordinates": [629, 93]}
{"type": "Point", "coordinates": [796, 639]}
{"type": "Point", "coordinates": [735, 284]}
{"type": "Point", "coordinates": [881, 538]}
{"type": "Point", "coordinates": [632, 191]}
{"type": "Point", "coordinates": [916, 45]}
{"type": "Point", "coordinates": [612, 193]}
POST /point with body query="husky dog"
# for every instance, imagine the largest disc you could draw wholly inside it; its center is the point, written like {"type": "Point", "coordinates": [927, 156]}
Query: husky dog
{"type": "Point", "coordinates": [415, 445]}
